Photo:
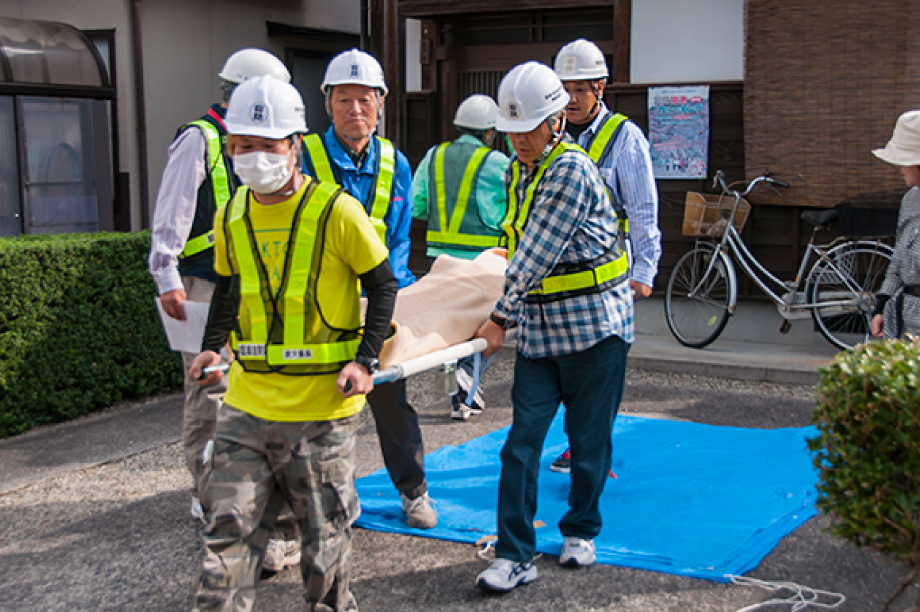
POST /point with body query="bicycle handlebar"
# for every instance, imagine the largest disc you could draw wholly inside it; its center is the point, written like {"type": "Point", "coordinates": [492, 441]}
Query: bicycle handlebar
{"type": "Point", "coordinates": [719, 181]}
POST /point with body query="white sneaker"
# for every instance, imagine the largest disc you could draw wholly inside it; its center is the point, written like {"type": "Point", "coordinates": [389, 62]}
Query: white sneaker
{"type": "Point", "coordinates": [461, 412]}
{"type": "Point", "coordinates": [503, 575]}
{"type": "Point", "coordinates": [196, 510]}
{"type": "Point", "coordinates": [418, 511]}
{"type": "Point", "coordinates": [577, 552]}
{"type": "Point", "coordinates": [280, 554]}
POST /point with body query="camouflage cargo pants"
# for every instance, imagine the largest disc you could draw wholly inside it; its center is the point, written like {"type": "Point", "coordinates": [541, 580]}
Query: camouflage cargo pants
{"type": "Point", "coordinates": [259, 465]}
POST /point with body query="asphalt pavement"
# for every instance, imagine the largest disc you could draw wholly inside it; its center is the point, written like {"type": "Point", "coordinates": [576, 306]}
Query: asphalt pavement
{"type": "Point", "coordinates": [142, 554]}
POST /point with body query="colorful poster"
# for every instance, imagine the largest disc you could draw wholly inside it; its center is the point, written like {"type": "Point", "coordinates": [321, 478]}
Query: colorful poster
{"type": "Point", "coordinates": [678, 131]}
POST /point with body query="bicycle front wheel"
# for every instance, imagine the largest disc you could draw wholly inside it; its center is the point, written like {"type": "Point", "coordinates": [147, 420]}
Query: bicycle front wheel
{"type": "Point", "coordinates": [696, 311]}
{"type": "Point", "coordinates": [842, 288]}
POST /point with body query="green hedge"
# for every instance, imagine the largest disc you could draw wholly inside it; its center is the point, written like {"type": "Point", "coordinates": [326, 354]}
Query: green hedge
{"type": "Point", "coordinates": [867, 452]}
{"type": "Point", "coordinates": [79, 329]}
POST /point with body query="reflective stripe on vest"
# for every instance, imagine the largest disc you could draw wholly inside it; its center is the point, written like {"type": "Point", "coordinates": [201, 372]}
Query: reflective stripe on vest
{"type": "Point", "coordinates": [255, 345]}
{"type": "Point", "coordinates": [451, 236]}
{"type": "Point", "coordinates": [379, 196]}
{"type": "Point", "coordinates": [599, 146]}
{"type": "Point", "coordinates": [219, 183]}
{"type": "Point", "coordinates": [516, 220]}
{"type": "Point", "coordinates": [602, 139]}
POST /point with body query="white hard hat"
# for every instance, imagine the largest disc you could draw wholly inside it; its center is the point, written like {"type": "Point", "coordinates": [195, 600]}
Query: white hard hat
{"type": "Point", "coordinates": [251, 62]}
{"type": "Point", "coordinates": [264, 106]}
{"type": "Point", "coordinates": [581, 60]}
{"type": "Point", "coordinates": [354, 67]}
{"type": "Point", "coordinates": [478, 112]}
{"type": "Point", "coordinates": [527, 96]}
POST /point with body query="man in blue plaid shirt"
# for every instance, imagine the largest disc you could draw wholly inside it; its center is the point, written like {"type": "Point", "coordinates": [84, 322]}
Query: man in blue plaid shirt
{"type": "Point", "coordinates": [567, 290]}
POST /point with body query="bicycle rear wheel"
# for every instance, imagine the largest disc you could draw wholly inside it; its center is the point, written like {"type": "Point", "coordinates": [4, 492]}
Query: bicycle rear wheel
{"type": "Point", "coordinates": [696, 319]}
{"type": "Point", "coordinates": [846, 282]}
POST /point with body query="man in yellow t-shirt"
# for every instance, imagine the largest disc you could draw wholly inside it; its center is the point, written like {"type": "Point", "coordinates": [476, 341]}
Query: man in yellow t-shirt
{"type": "Point", "coordinates": [289, 253]}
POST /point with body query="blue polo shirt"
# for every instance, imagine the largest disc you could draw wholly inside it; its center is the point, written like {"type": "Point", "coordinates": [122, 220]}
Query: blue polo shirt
{"type": "Point", "coordinates": [359, 183]}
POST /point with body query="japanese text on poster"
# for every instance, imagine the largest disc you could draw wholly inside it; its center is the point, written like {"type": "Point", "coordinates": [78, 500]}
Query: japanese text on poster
{"type": "Point", "coordinates": [678, 119]}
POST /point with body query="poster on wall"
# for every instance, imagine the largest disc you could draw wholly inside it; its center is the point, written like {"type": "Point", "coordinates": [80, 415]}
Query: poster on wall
{"type": "Point", "coordinates": [678, 131]}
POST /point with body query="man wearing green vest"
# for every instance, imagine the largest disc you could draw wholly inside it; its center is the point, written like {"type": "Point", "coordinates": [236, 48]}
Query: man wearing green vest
{"type": "Point", "coordinates": [197, 181]}
{"type": "Point", "coordinates": [566, 290]}
{"type": "Point", "coordinates": [621, 152]}
{"type": "Point", "coordinates": [376, 174]}
{"type": "Point", "coordinates": [459, 189]}
{"type": "Point", "coordinates": [290, 253]}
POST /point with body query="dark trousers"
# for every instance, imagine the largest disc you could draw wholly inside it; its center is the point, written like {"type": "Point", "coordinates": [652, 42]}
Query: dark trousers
{"type": "Point", "coordinates": [400, 437]}
{"type": "Point", "coordinates": [590, 383]}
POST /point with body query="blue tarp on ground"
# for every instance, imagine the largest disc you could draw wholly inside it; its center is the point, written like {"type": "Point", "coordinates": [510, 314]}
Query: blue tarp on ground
{"type": "Point", "coordinates": [689, 499]}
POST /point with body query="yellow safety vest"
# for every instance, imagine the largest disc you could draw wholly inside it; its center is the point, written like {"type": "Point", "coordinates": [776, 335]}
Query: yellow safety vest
{"type": "Point", "coordinates": [602, 140]}
{"type": "Point", "coordinates": [220, 186]}
{"type": "Point", "coordinates": [379, 197]}
{"type": "Point", "coordinates": [559, 282]}
{"type": "Point", "coordinates": [598, 148]}
{"type": "Point", "coordinates": [444, 229]}
{"type": "Point", "coordinates": [277, 340]}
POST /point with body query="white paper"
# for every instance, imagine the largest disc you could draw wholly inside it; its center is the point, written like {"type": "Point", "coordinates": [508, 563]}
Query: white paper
{"type": "Point", "coordinates": [185, 336]}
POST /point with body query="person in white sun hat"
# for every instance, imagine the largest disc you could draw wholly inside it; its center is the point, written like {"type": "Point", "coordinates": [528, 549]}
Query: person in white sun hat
{"type": "Point", "coordinates": [289, 254]}
{"type": "Point", "coordinates": [897, 308]}
{"type": "Point", "coordinates": [567, 290]}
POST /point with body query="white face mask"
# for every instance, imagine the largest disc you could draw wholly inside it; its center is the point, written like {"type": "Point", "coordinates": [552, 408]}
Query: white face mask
{"type": "Point", "coordinates": [264, 173]}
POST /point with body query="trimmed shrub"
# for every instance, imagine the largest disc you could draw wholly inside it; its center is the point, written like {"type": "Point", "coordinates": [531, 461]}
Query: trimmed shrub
{"type": "Point", "coordinates": [79, 329]}
{"type": "Point", "coordinates": [868, 450]}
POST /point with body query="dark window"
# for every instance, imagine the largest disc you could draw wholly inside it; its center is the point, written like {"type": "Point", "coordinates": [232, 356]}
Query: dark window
{"type": "Point", "coordinates": [550, 25]}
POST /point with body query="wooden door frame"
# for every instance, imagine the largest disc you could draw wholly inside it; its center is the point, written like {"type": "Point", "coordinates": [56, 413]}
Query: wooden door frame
{"type": "Point", "coordinates": [388, 40]}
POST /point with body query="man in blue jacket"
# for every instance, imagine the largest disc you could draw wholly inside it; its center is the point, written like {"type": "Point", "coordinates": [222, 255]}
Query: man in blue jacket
{"type": "Point", "coordinates": [371, 170]}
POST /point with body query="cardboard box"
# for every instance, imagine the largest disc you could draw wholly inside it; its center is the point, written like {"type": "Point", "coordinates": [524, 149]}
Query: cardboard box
{"type": "Point", "coordinates": [703, 211]}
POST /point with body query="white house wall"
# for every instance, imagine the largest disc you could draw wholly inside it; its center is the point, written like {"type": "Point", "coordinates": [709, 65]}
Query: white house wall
{"type": "Point", "coordinates": [185, 43]}
{"type": "Point", "coordinates": [687, 41]}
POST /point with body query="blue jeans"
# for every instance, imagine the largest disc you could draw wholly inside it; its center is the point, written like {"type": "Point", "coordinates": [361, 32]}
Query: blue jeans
{"type": "Point", "coordinates": [590, 384]}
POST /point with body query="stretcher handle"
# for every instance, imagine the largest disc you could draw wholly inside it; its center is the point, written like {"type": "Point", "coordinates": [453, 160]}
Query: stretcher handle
{"type": "Point", "coordinates": [405, 369]}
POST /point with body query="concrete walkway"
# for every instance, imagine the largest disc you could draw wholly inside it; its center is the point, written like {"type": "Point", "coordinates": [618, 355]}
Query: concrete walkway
{"type": "Point", "coordinates": [751, 348]}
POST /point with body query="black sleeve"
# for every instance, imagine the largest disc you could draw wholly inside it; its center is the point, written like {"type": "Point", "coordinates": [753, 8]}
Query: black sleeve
{"type": "Point", "coordinates": [880, 301]}
{"type": "Point", "coordinates": [225, 305]}
{"type": "Point", "coordinates": [380, 288]}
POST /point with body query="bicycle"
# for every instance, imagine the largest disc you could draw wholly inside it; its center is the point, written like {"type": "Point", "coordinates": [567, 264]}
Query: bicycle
{"type": "Point", "coordinates": [838, 293]}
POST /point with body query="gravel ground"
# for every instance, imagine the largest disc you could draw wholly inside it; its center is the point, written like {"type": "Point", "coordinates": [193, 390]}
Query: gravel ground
{"type": "Point", "coordinates": [69, 499]}
{"type": "Point", "coordinates": [117, 536]}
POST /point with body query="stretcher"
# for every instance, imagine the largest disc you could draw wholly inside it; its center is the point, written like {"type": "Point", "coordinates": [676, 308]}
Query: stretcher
{"type": "Point", "coordinates": [435, 318]}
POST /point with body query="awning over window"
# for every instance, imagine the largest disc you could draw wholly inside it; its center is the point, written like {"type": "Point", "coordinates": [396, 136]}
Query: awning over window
{"type": "Point", "coordinates": [48, 53]}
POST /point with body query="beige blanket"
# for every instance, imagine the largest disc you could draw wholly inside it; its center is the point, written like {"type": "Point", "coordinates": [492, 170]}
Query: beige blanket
{"type": "Point", "coordinates": [445, 307]}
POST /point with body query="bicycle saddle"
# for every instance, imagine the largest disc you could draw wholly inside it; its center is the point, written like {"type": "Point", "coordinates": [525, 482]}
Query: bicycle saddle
{"type": "Point", "coordinates": [820, 218]}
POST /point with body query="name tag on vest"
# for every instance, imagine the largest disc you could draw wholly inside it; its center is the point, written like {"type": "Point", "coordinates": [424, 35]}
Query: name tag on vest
{"type": "Point", "coordinates": [297, 354]}
{"type": "Point", "coordinates": [251, 350]}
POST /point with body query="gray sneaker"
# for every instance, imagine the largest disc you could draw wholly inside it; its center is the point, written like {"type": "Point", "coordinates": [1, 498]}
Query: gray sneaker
{"type": "Point", "coordinates": [504, 575]}
{"type": "Point", "coordinates": [577, 552]}
{"type": "Point", "coordinates": [419, 512]}
{"type": "Point", "coordinates": [280, 554]}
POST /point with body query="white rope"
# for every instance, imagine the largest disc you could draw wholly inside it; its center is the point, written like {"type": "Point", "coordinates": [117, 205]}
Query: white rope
{"type": "Point", "coordinates": [802, 596]}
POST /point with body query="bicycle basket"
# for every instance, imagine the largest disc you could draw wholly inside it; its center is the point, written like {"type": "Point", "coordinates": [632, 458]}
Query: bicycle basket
{"type": "Point", "coordinates": [706, 214]}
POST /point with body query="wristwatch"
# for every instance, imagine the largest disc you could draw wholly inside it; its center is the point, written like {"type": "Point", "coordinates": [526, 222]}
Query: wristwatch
{"type": "Point", "coordinates": [371, 364]}
{"type": "Point", "coordinates": [503, 323]}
